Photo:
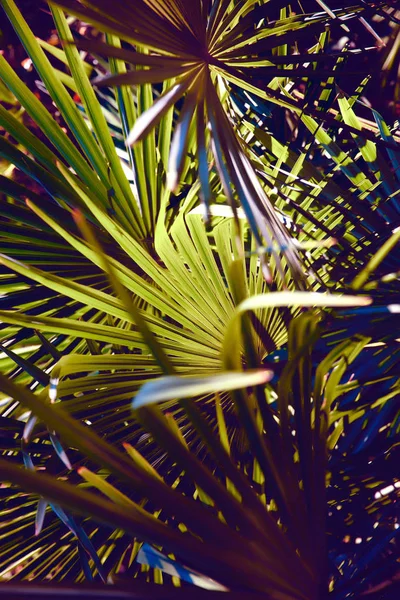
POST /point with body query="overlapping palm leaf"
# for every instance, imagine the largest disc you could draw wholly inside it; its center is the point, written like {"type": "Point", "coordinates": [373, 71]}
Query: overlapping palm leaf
{"type": "Point", "coordinates": [76, 328]}
{"type": "Point", "coordinates": [76, 394]}
{"type": "Point", "coordinates": [201, 53]}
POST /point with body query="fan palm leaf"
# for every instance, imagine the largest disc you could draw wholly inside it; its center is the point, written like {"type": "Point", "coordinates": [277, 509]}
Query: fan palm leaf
{"type": "Point", "coordinates": [132, 284]}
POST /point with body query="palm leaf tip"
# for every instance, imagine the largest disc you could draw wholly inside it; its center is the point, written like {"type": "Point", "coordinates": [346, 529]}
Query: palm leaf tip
{"type": "Point", "coordinates": [173, 387]}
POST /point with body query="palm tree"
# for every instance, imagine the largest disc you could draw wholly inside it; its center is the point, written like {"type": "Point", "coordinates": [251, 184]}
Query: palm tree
{"type": "Point", "coordinates": [212, 220]}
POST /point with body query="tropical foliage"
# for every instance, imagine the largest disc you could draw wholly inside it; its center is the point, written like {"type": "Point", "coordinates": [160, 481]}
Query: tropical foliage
{"type": "Point", "coordinates": [199, 308]}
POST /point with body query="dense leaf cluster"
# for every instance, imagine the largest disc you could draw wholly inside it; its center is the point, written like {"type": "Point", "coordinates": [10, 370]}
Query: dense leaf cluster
{"type": "Point", "coordinates": [199, 302]}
